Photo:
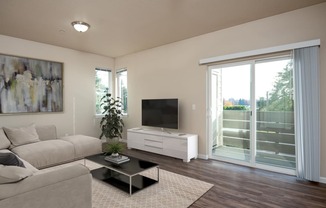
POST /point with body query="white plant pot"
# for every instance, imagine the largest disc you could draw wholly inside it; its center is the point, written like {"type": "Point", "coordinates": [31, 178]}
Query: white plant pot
{"type": "Point", "coordinates": [115, 154]}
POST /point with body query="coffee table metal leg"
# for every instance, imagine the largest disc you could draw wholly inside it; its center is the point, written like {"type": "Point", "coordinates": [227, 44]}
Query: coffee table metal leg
{"type": "Point", "coordinates": [130, 185]}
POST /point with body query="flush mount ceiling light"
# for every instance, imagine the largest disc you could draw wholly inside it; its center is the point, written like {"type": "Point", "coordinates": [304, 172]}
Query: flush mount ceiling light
{"type": "Point", "coordinates": [80, 26]}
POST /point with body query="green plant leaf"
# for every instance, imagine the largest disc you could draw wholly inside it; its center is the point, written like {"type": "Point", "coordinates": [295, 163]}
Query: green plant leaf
{"type": "Point", "coordinates": [111, 124]}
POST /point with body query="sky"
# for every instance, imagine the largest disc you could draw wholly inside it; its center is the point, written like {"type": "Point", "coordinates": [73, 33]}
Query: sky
{"type": "Point", "coordinates": [236, 79]}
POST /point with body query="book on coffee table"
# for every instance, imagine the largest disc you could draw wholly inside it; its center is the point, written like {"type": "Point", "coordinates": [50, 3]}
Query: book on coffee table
{"type": "Point", "coordinates": [117, 159]}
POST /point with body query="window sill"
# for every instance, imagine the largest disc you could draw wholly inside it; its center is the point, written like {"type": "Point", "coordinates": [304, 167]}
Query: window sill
{"type": "Point", "coordinates": [101, 116]}
{"type": "Point", "coordinates": [98, 116]}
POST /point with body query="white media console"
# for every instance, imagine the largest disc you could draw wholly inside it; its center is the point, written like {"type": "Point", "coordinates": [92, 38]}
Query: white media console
{"type": "Point", "coordinates": [183, 146]}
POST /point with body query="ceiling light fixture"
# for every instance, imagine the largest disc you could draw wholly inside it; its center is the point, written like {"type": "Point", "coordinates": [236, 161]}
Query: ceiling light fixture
{"type": "Point", "coordinates": [80, 26]}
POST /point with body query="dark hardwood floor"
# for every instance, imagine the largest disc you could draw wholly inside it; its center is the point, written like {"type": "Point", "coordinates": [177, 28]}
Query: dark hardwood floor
{"type": "Point", "coordinates": [238, 186]}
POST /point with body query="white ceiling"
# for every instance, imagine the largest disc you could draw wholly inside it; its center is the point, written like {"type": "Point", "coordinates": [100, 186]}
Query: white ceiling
{"type": "Point", "coordinates": [120, 27]}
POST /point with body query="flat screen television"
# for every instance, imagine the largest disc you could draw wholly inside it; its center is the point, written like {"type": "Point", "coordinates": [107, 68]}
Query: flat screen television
{"type": "Point", "coordinates": [162, 113]}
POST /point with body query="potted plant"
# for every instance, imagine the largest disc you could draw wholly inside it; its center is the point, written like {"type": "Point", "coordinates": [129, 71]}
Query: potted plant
{"type": "Point", "coordinates": [111, 124]}
{"type": "Point", "coordinates": [114, 148]}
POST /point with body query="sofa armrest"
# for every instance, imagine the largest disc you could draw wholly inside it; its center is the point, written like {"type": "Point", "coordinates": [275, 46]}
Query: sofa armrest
{"type": "Point", "coordinates": [66, 187]}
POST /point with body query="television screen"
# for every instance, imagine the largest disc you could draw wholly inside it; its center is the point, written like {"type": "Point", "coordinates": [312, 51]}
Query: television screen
{"type": "Point", "coordinates": [162, 113]}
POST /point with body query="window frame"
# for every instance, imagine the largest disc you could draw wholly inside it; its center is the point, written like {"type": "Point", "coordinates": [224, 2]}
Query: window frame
{"type": "Point", "coordinates": [118, 90]}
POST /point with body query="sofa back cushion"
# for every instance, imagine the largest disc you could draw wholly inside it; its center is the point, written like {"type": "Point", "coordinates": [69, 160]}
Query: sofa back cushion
{"type": "Point", "coordinates": [4, 142]}
{"type": "Point", "coordinates": [46, 132]}
{"type": "Point", "coordinates": [22, 135]}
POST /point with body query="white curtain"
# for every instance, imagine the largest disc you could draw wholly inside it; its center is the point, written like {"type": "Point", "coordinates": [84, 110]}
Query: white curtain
{"type": "Point", "coordinates": [307, 109]}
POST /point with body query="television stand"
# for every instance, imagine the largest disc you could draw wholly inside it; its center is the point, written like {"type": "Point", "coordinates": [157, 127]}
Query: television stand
{"type": "Point", "coordinates": [166, 131]}
{"type": "Point", "coordinates": [182, 146]}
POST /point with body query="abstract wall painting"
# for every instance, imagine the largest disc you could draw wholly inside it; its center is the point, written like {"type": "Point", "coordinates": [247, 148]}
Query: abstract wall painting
{"type": "Point", "coordinates": [30, 85]}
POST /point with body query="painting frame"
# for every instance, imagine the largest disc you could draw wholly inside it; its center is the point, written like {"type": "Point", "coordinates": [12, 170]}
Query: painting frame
{"type": "Point", "coordinates": [30, 85]}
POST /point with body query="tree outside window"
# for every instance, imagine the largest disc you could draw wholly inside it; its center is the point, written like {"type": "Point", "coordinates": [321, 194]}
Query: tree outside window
{"type": "Point", "coordinates": [281, 96]}
{"type": "Point", "coordinates": [102, 83]}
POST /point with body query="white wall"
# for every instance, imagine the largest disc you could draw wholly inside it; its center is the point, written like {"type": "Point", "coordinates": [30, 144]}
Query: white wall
{"type": "Point", "coordinates": [167, 71]}
{"type": "Point", "coordinates": [79, 85]}
{"type": "Point", "coordinates": [173, 70]}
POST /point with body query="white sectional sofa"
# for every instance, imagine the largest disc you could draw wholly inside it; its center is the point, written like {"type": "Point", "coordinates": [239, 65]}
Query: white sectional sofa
{"type": "Point", "coordinates": [38, 147]}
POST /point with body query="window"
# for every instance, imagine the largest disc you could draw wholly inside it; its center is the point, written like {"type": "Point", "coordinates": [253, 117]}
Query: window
{"type": "Point", "coordinates": [102, 83]}
{"type": "Point", "coordinates": [122, 92]}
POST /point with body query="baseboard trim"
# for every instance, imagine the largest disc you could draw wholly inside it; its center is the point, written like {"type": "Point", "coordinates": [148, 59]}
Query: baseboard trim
{"type": "Point", "coordinates": [322, 180]}
{"type": "Point", "coordinates": [204, 157]}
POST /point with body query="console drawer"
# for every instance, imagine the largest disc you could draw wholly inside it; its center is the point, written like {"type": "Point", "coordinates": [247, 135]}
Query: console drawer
{"type": "Point", "coordinates": [148, 142]}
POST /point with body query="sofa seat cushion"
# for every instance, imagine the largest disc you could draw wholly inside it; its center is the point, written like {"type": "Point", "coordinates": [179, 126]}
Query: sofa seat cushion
{"type": "Point", "coordinates": [84, 145]}
{"type": "Point", "coordinates": [11, 174]}
{"type": "Point", "coordinates": [46, 153]}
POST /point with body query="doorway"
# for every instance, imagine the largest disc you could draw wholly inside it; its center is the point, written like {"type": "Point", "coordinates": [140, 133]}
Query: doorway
{"type": "Point", "coordinates": [251, 113]}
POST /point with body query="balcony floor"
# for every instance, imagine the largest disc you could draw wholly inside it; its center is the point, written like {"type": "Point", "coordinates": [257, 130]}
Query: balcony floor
{"type": "Point", "coordinates": [262, 157]}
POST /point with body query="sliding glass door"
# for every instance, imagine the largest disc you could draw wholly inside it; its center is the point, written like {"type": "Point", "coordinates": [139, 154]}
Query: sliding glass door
{"type": "Point", "coordinates": [230, 106]}
{"type": "Point", "coordinates": [275, 139]}
{"type": "Point", "coordinates": [251, 118]}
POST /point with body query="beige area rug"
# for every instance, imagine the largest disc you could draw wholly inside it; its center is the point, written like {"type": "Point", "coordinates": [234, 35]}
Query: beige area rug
{"type": "Point", "coordinates": [173, 190]}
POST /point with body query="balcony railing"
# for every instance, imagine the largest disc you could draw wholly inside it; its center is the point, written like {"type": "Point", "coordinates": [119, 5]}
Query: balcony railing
{"type": "Point", "coordinates": [275, 141]}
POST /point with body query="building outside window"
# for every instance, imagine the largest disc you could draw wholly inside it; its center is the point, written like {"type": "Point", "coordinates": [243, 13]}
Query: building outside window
{"type": "Point", "coordinates": [121, 89]}
{"type": "Point", "coordinates": [103, 82]}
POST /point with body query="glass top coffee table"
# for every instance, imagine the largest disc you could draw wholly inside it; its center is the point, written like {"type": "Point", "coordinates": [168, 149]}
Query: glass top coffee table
{"type": "Point", "coordinates": [125, 176]}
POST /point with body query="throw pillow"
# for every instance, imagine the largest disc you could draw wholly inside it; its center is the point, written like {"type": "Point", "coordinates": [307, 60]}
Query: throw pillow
{"type": "Point", "coordinates": [11, 174]}
{"type": "Point", "coordinates": [10, 159]}
{"type": "Point", "coordinates": [21, 136]}
{"type": "Point", "coordinates": [4, 142]}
